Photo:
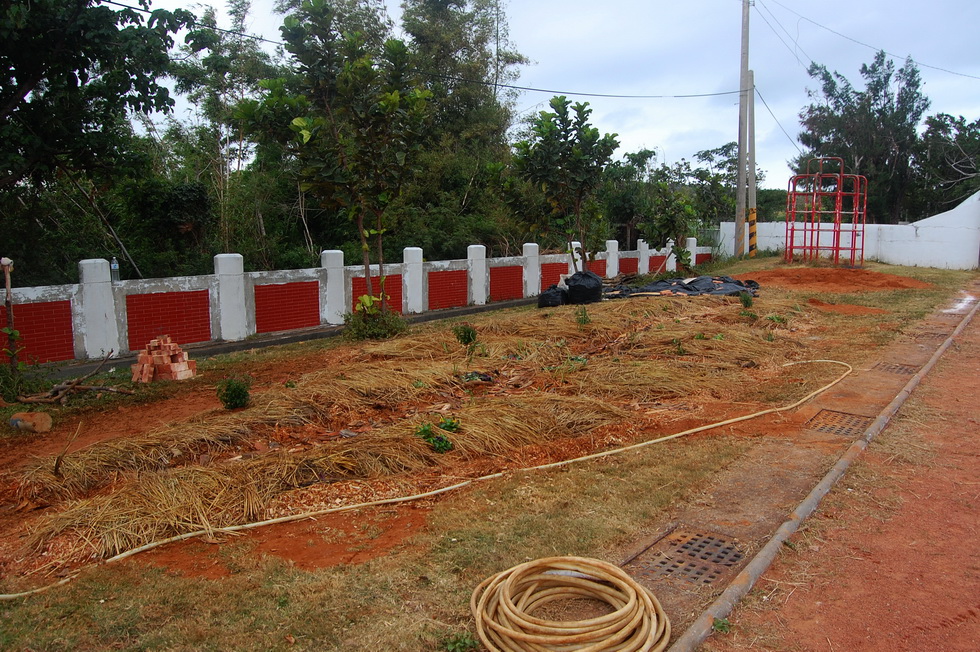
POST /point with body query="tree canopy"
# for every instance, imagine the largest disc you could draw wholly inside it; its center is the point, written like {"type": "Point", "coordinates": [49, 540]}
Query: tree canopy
{"type": "Point", "coordinates": [72, 71]}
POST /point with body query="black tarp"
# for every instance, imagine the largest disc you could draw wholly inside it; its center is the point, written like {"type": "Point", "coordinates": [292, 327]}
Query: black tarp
{"type": "Point", "coordinates": [714, 285]}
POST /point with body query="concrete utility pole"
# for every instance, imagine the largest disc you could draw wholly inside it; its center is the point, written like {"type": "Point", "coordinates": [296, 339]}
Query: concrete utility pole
{"type": "Point", "coordinates": [743, 108]}
{"type": "Point", "coordinates": [753, 238]}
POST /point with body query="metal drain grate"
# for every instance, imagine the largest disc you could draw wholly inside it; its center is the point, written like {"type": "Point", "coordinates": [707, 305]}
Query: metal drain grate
{"type": "Point", "coordinates": [895, 368]}
{"type": "Point", "coordinates": [699, 557]}
{"type": "Point", "coordinates": [839, 423]}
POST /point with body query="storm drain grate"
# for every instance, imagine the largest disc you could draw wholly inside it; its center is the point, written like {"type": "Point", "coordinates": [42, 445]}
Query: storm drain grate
{"type": "Point", "coordinates": [896, 368]}
{"type": "Point", "coordinates": [699, 557]}
{"type": "Point", "coordinates": [839, 423]}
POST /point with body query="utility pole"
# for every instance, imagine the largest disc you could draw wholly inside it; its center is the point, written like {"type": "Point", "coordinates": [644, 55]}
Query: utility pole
{"type": "Point", "coordinates": [743, 108]}
{"type": "Point", "coordinates": [753, 238]}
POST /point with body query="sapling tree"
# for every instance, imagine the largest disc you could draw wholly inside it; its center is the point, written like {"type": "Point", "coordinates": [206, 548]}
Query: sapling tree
{"type": "Point", "coordinates": [565, 156]}
{"type": "Point", "coordinates": [364, 123]}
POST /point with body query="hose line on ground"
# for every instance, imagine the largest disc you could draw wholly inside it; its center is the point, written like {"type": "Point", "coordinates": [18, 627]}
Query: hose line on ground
{"type": "Point", "coordinates": [503, 605]}
{"type": "Point", "coordinates": [435, 492]}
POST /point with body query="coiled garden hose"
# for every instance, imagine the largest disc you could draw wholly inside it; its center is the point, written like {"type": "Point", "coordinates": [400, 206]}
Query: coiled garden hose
{"type": "Point", "coordinates": [503, 606]}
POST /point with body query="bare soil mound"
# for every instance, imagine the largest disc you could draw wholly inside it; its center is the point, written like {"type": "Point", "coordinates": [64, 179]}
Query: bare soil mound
{"type": "Point", "coordinates": [833, 280]}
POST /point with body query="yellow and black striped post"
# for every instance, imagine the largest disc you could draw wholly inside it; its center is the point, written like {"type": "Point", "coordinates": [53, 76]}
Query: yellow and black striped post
{"type": "Point", "coordinates": [752, 236]}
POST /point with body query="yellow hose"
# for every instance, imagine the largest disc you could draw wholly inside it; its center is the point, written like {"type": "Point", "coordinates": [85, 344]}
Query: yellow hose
{"type": "Point", "coordinates": [503, 606]}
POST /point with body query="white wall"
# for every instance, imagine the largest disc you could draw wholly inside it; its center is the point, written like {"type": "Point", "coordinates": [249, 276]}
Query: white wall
{"type": "Point", "coordinates": [950, 240]}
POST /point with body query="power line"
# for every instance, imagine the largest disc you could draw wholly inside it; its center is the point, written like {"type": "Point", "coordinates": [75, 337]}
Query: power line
{"type": "Point", "coordinates": [796, 44]}
{"type": "Point", "coordinates": [779, 124]}
{"type": "Point", "coordinates": [871, 47]}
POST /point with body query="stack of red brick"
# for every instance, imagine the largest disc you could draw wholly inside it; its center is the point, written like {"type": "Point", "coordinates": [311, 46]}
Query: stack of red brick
{"type": "Point", "coordinates": [163, 360]}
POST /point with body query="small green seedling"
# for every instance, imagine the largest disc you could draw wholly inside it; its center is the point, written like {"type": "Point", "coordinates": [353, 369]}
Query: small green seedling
{"type": "Point", "coordinates": [233, 392]}
{"type": "Point", "coordinates": [449, 424]}
{"type": "Point", "coordinates": [748, 313]}
{"type": "Point", "coordinates": [721, 625]}
{"type": "Point", "coordinates": [463, 642]}
{"type": "Point", "coordinates": [700, 336]}
{"type": "Point", "coordinates": [746, 299]}
{"type": "Point", "coordinates": [465, 334]}
{"type": "Point", "coordinates": [778, 319]}
{"type": "Point", "coordinates": [582, 316]}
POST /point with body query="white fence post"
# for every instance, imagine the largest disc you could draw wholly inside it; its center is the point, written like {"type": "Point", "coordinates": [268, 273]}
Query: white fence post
{"type": "Point", "coordinates": [479, 277]}
{"type": "Point", "coordinates": [671, 265]}
{"type": "Point", "coordinates": [100, 331]}
{"type": "Point", "coordinates": [691, 245]}
{"type": "Point", "coordinates": [233, 318]}
{"type": "Point", "coordinates": [576, 260]}
{"type": "Point", "coordinates": [333, 293]}
{"type": "Point", "coordinates": [532, 269]}
{"type": "Point", "coordinates": [612, 258]}
{"type": "Point", "coordinates": [412, 280]}
{"type": "Point", "coordinates": [643, 263]}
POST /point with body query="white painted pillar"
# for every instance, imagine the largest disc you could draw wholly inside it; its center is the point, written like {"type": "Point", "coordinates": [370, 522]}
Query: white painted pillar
{"type": "Point", "coordinates": [479, 274]}
{"type": "Point", "coordinates": [98, 326]}
{"type": "Point", "coordinates": [532, 269]}
{"type": "Point", "coordinates": [333, 293]}
{"type": "Point", "coordinates": [233, 322]}
{"type": "Point", "coordinates": [671, 265]}
{"type": "Point", "coordinates": [412, 286]}
{"type": "Point", "coordinates": [612, 258]}
{"type": "Point", "coordinates": [643, 263]}
{"type": "Point", "coordinates": [691, 244]}
{"type": "Point", "coordinates": [576, 257]}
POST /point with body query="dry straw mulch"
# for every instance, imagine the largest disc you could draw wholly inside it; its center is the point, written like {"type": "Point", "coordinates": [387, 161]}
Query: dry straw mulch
{"type": "Point", "coordinates": [557, 374]}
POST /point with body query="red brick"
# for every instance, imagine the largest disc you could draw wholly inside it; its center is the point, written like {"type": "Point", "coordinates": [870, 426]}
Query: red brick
{"type": "Point", "coordinates": [629, 265]}
{"type": "Point", "coordinates": [287, 306]}
{"type": "Point", "coordinates": [45, 330]}
{"type": "Point", "coordinates": [393, 288]}
{"type": "Point", "coordinates": [506, 283]}
{"type": "Point", "coordinates": [447, 289]}
{"type": "Point", "coordinates": [183, 317]}
{"type": "Point", "coordinates": [551, 274]}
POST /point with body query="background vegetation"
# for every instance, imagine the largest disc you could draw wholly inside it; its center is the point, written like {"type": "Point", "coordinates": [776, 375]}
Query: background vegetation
{"type": "Point", "coordinates": [346, 138]}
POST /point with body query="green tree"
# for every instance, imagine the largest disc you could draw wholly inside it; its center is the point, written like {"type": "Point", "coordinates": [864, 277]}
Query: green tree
{"type": "Point", "coordinates": [219, 70]}
{"type": "Point", "coordinates": [70, 72]}
{"type": "Point", "coordinates": [565, 156]}
{"type": "Point", "coordinates": [462, 53]}
{"type": "Point", "coordinates": [367, 111]}
{"type": "Point", "coordinates": [627, 193]}
{"type": "Point", "coordinates": [949, 162]}
{"type": "Point", "coordinates": [873, 130]}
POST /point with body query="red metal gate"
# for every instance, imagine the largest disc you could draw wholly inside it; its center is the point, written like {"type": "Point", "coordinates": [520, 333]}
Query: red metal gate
{"type": "Point", "coordinates": [825, 213]}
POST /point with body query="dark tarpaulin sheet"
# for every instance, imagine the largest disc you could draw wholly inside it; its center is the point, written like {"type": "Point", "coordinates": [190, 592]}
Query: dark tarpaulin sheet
{"type": "Point", "coordinates": [716, 285]}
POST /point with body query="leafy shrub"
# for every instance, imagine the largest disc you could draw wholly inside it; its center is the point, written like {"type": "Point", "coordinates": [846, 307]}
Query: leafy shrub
{"type": "Point", "coordinates": [440, 443]}
{"type": "Point", "coordinates": [23, 380]}
{"type": "Point", "coordinates": [233, 392]}
{"type": "Point", "coordinates": [373, 324]}
{"type": "Point", "coordinates": [465, 334]}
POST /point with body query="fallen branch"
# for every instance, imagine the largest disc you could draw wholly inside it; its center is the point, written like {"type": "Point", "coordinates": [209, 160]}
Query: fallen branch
{"type": "Point", "coordinates": [60, 393]}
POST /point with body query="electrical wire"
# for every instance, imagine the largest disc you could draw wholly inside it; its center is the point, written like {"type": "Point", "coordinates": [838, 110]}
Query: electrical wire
{"type": "Point", "coordinates": [436, 492]}
{"type": "Point", "coordinates": [872, 47]}
{"type": "Point", "coordinates": [778, 123]}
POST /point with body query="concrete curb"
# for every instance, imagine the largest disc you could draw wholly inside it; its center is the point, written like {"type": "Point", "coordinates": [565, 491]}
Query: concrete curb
{"type": "Point", "coordinates": [701, 628]}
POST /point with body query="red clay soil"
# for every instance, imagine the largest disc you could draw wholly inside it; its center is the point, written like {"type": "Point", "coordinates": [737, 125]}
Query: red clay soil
{"type": "Point", "coordinates": [908, 579]}
{"type": "Point", "coordinates": [845, 308]}
{"type": "Point", "coordinates": [832, 280]}
{"type": "Point", "coordinates": [393, 525]}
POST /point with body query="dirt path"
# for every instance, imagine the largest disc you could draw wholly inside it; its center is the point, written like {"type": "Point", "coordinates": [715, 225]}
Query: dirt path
{"type": "Point", "coordinates": [890, 561]}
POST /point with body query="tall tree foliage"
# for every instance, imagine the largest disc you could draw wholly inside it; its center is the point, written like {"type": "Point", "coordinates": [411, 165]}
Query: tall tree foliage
{"type": "Point", "coordinates": [70, 71]}
{"type": "Point", "coordinates": [462, 53]}
{"type": "Point", "coordinates": [565, 155]}
{"type": "Point", "coordinates": [872, 130]}
{"type": "Point", "coordinates": [949, 161]}
{"type": "Point", "coordinates": [364, 127]}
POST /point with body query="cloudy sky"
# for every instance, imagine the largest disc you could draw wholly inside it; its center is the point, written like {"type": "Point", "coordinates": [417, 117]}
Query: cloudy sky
{"type": "Point", "coordinates": [667, 48]}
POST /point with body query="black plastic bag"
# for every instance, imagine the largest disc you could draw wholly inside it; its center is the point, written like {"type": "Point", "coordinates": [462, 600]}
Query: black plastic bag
{"type": "Point", "coordinates": [552, 297]}
{"type": "Point", "coordinates": [584, 287]}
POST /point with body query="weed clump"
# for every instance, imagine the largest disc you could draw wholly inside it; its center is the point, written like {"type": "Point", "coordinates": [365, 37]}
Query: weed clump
{"type": "Point", "coordinates": [376, 324]}
{"type": "Point", "coordinates": [234, 392]}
